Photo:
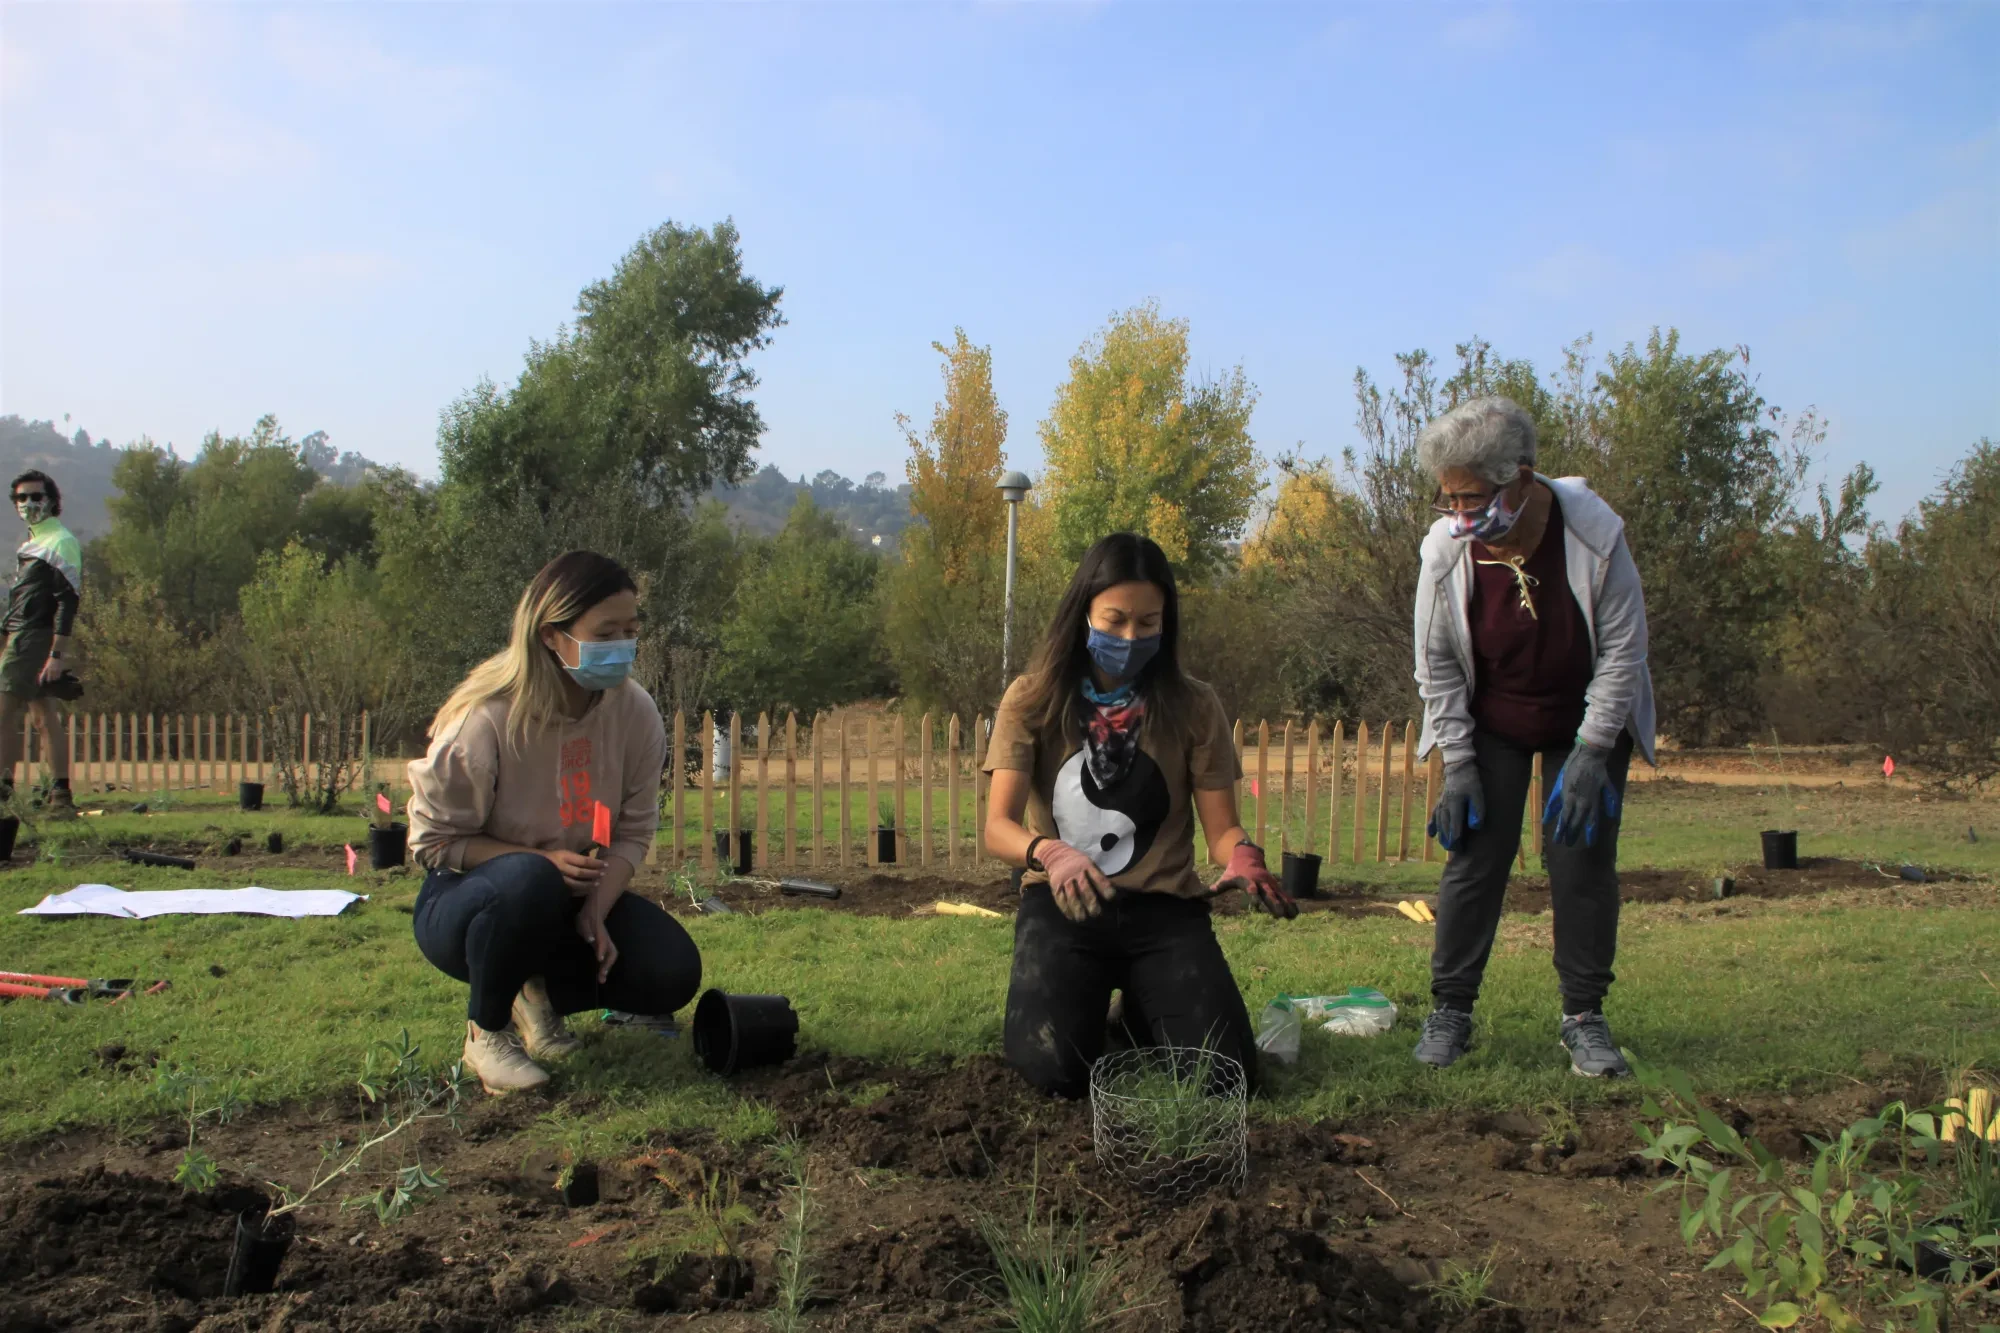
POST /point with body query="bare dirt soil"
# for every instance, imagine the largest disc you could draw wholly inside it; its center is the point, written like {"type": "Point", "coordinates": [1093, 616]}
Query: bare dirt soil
{"type": "Point", "coordinates": [1341, 1226]}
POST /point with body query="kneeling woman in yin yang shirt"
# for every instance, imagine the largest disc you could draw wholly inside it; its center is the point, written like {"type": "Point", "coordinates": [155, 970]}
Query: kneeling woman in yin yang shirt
{"type": "Point", "coordinates": [1103, 755]}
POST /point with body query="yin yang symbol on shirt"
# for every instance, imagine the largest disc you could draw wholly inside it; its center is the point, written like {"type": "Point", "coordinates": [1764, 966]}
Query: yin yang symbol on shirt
{"type": "Point", "coordinates": [1114, 826]}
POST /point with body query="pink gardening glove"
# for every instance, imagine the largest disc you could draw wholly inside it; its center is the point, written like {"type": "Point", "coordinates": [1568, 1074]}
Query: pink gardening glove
{"type": "Point", "coordinates": [1246, 871]}
{"type": "Point", "coordinates": [1078, 886]}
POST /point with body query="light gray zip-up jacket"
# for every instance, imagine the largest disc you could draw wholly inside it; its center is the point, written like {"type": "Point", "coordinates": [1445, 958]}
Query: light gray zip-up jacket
{"type": "Point", "coordinates": [1605, 583]}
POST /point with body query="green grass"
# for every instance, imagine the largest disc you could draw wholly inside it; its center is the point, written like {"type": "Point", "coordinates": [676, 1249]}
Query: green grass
{"type": "Point", "coordinates": [1745, 996]}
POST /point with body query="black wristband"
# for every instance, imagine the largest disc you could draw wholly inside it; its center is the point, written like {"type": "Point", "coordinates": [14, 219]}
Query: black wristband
{"type": "Point", "coordinates": [1032, 863]}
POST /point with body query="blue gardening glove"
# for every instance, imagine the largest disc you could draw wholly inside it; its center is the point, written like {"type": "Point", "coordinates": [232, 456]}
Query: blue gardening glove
{"type": "Point", "coordinates": [1583, 791]}
{"type": "Point", "coordinates": [1461, 808]}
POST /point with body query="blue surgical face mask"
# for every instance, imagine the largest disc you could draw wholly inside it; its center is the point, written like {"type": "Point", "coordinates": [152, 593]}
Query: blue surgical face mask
{"type": "Point", "coordinates": [601, 663]}
{"type": "Point", "coordinates": [1490, 524]}
{"type": "Point", "coordinates": [1121, 659]}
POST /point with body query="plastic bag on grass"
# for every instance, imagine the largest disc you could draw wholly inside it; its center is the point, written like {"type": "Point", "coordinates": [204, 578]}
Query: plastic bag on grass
{"type": "Point", "coordinates": [1278, 1031]}
{"type": "Point", "coordinates": [1359, 1013]}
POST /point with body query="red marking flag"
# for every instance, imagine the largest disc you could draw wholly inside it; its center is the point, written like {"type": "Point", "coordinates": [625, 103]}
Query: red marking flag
{"type": "Point", "coordinates": [1253, 789]}
{"type": "Point", "coordinates": [1888, 766]}
{"type": "Point", "coordinates": [600, 824]}
{"type": "Point", "coordinates": [351, 858]}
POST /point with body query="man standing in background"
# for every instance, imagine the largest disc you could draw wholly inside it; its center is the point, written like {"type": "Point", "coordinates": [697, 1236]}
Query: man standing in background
{"type": "Point", "coordinates": [34, 667]}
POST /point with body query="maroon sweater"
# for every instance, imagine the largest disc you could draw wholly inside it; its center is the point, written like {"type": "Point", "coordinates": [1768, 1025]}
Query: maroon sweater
{"type": "Point", "coordinates": [1531, 670]}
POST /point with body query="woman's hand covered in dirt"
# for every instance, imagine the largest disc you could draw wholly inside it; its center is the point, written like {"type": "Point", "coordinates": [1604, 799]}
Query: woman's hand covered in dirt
{"type": "Point", "coordinates": [1078, 886]}
{"type": "Point", "coordinates": [579, 872]}
{"type": "Point", "coordinates": [1246, 871]}
{"type": "Point", "coordinates": [590, 925]}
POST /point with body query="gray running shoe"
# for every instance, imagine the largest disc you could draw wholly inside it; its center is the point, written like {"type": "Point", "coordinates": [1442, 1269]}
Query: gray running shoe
{"type": "Point", "coordinates": [1447, 1033]}
{"type": "Point", "coordinates": [1592, 1052]}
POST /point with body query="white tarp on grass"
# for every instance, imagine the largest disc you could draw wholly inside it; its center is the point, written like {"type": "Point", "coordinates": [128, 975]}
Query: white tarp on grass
{"type": "Point", "coordinates": [104, 900]}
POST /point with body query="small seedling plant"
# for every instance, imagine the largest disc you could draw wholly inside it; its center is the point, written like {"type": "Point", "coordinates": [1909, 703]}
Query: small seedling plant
{"type": "Point", "coordinates": [793, 1265]}
{"type": "Point", "coordinates": [1050, 1277]}
{"type": "Point", "coordinates": [1840, 1242]}
{"type": "Point", "coordinates": [569, 1137]}
{"type": "Point", "coordinates": [1171, 1107]}
{"type": "Point", "coordinates": [712, 1216]}
{"type": "Point", "coordinates": [1462, 1288]}
{"type": "Point", "coordinates": [197, 1097]}
{"type": "Point", "coordinates": [402, 1095]}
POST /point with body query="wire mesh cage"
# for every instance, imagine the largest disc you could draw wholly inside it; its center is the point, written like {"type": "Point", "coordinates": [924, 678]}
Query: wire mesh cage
{"type": "Point", "coordinates": [1170, 1120]}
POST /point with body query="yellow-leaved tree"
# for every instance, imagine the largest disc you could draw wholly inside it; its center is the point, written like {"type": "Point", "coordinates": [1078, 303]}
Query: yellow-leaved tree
{"type": "Point", "coordinates": [942, 602]}
{"type": "Point", "coordinates": [1130, 445]}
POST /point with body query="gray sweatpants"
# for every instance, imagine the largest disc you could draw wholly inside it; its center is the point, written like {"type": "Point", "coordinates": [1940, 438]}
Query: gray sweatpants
{"type": "Point", "coordinates": [1583, 883]}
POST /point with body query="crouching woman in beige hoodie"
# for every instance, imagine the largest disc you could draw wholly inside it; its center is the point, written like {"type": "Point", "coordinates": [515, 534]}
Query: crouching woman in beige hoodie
{"type": "Point", "coordinates": [520, 901]}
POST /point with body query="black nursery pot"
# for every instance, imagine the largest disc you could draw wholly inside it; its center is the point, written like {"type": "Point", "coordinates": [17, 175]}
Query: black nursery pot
{"type": "Point", "coordinates": [10, 828]}
{"type": "Point", "coordinates": [388, 847]}
{"type": "Point", "coordinates": [250, 795]}
{"type": "Point", "coordinates": [258, 1251]}
{"type": "Point", "coordinates": [581, 1191]}
{"type": "Point", "coordinates": [885, 846]}
{"type": "Point", "coordinates": [734, 1032]}
{"type": "Point", "coordinates": [1301, 874]}
{"type": "Point", "coordinates": [275, 843]}
{"type": "Point", "coordinates": [1781, 850]}
{"type": "Point", "coordinates": [741, 863]}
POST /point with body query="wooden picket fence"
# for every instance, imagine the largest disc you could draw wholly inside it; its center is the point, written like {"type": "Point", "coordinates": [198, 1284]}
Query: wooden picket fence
{"type": "Point", "coordinates": [1346, 797]}
{"type": "Point", "coordinates": [182, 752]}
{"type": "Point", "coordinates": [827, 767]}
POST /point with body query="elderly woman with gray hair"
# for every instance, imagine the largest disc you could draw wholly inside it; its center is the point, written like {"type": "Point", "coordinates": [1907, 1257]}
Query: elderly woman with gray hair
{"type": "Point", "coordinates": [1530, 639]}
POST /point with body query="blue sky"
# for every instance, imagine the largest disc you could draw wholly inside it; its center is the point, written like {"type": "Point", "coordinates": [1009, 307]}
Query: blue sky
{"type": "Point", "coordinates": [347, 214]}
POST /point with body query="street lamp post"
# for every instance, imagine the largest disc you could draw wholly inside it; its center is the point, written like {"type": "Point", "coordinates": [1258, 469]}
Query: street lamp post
{"type": "Point", "coordinates": [1013, 488]}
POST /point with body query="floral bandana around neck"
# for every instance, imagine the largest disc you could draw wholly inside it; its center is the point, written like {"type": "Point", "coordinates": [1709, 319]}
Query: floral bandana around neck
{"type": "Point", "coordinates": [1111, 732]}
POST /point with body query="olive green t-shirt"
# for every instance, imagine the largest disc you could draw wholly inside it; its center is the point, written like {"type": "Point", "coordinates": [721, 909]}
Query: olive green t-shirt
{"type": "Point", "coordinates": [1140, 830]}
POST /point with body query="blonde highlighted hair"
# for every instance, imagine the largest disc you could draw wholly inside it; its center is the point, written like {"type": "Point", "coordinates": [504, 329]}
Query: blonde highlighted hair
{"type": "Point", "coordinates": [526, 672]}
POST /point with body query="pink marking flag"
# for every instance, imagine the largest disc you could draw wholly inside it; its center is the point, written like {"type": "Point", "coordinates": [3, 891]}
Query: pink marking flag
{"type": "Point", "coordinates": [1888, 766]}
{"type": "Point", "coordinates": [382, 803]}
{"type": "Point", "coordinates": [1253, 789]}
{"type": "Point", "coordinates": [351, 858]}
{"type": "Point", "coordinates": [600, 824]}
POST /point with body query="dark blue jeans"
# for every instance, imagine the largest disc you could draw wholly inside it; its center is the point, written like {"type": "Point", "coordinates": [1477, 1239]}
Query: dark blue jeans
{"type": "Point", "coordinates": [513, 918]}
{"type": "Point", "coordinates": [1159, 951]}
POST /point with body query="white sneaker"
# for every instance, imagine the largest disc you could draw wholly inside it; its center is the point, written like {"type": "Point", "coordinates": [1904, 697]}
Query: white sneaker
{"type": "Point", "coordinates": [542, 1029]}
{"type": "Point", "coordinates": [499, 1062]}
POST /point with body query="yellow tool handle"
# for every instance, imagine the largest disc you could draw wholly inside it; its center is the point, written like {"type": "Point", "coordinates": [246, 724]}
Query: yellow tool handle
{"type": "Point", "coordinates": [1411, 912]}
{"type": "Point", "coordinates": [964, 909]}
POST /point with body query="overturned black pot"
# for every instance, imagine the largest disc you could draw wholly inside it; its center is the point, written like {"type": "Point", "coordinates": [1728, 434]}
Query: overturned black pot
{"type": "Point", "coordinates": [735, 1032]}
{"type": "Point", "coordinates": [1300, 874]}
{"type": "Point", "coordinates": [1781, 850]}
{"type": "Point", "coordinates": [10, 829]}
{"type": "Point", "coordinates": [258, 1252]}
{"type": "Point", "coordinates": [741, 863]}
{"type": "Point", "coordinates": [250, 795]}
{"type": "Point", "coordinates": [581, 1191]}
{"type": "Point", "coordinates": [885, 846]}
{"type": "Point", "coordinates": [388, 847]}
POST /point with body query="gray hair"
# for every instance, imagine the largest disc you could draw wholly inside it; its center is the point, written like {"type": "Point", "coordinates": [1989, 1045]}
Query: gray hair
{"type": "Point", "coordinates": [1490, 437]}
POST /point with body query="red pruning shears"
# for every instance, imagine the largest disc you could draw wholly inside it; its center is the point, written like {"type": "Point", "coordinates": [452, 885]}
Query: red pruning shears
{"type": "Point", "coordinates": [72, 990]}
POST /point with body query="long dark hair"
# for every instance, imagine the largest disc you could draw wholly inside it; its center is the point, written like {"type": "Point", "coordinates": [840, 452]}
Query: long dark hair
{"type": "Point", "coordinates": [1053, 704]}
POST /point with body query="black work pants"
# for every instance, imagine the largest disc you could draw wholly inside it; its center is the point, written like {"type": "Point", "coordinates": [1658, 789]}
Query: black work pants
{"type": "Point", "coordinates": [513, 918]}
{"type": "Point", "coordinates": [1160, 951]}
{"type": "Point", "coordinates": [1583, 882]}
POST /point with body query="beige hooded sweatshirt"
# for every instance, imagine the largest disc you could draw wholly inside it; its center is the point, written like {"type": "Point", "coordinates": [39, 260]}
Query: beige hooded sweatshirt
{"type": "Point", "coordinates": [473, 782]}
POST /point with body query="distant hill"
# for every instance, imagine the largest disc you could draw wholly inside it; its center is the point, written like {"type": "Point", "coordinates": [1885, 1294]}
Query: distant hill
{"type": "Point", "coordinates": [83, 467]}
{"type": "Point", "coordinates": [874, 513]}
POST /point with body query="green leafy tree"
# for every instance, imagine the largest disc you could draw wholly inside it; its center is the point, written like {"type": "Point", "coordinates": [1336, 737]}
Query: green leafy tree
{"type": "Point", "coordinates": [648, 392]}
{"type": "Point", "coordinates": [196, 530]}
{"type": "Point", "coordinates": [1131, 446]}
{"type": "Point", "coordinates": [313, 644]}
{"type": "Point", "coordinates": [803, 631]}
{"type": "Point", "coordinates": [138, 660]}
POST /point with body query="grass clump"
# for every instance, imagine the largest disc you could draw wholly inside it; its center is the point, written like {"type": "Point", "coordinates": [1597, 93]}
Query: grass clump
{"type": "Point", "coordinates": [1049, 1277]}
{"type": "Point", "coordinates": [1462, 1288]}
